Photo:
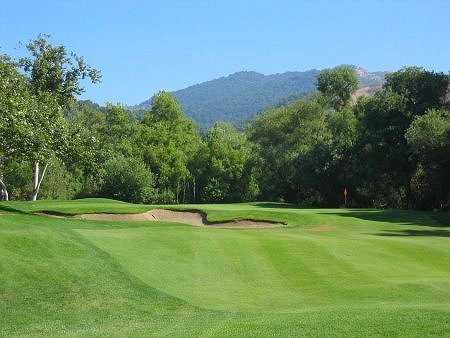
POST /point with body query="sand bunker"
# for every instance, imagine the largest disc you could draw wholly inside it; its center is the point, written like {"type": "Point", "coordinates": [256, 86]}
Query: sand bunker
{"type": "Point", "coordinates": [186, 217]}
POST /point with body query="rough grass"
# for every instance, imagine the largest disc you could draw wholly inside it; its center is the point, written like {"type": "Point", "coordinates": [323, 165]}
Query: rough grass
{"type": "Point", "coordinates": [332, 273]}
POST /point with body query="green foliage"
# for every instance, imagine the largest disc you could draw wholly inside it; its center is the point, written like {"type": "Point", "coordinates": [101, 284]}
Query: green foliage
{"type": "Point", "coordinates": [118, 132]}
{"type": "Point", "coordinates": [389, 173]}
{"type": "Point", "coordinates": [227, 160]}
{"type": "Point", "coordinates": [17, 107]}
{"type": "Point", "coordinates": [164, 108]}
{"type": "Point", "coordinates": [338, 85]}
{"type": "Point", "coordinates": [303, 147]}
{"type": "Point", "coordinates": [17, 176]}
{"type": "Point", "coordinates": [168, 141]}
{"type": "Point", "coordinates": [429, 136]}
{"type": "Point", "coordinates": [429, 133]}
{"type": "Point", "coordinates": [61, 183]}
{"type": "Point", "coordinates": [33, 128]}
{"type": "Point", "coordinates": [420, 88]}
{"type": "Point", "coordinates": [382, 149]}
{"type": "Point", "coordinates": [127, 179]}
{"type": "Point", "coordinates": [313, 148]}
{"type": "Point", "coordinates": [390, 149]}
{"type": "Point", "coordinates": [51, 69]}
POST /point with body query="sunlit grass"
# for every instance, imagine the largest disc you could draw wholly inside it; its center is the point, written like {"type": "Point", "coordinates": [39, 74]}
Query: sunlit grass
{"type": "Point", "coordinates": [332, 272]}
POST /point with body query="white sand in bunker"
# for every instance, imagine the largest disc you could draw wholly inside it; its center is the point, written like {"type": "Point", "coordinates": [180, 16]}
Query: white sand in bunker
{"type": "Point", "coordinates": [186, 217]}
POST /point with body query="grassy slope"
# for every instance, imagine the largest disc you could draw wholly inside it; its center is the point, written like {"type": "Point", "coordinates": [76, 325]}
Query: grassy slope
{"type": "Point", "coordinates": [81, 206]}
{"type": "Point", "coordinates": [336, 272]}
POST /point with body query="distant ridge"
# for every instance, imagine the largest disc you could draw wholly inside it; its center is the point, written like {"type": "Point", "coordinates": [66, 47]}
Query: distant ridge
{"type": "Point", "coordinates": [236, 98]}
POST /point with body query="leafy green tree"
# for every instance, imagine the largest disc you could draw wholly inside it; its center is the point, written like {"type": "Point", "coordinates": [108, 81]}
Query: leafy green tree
{"type": "Point", "coordinates": [86, 152]}
{"type": "Point", "coordinates": [228, 173]}
{"type": "Point", "coordinates": [16, 173]}
{"type": "Point", "coordinates": [15, 101]}
{"type": "Point", "coordinates": [61, 183]}
{"type": "Point", "coordinates": [284, 136]}
{"type": "Point", "coordinates": [127, 179]}
{"type": "Point", "coordinates": [338, 85]}
{"type": "Point", "coordinates": [421, 89]}
{"type": "Point", "coordinates": [429, 137]}
{"type": "Point", "coordinates": [51, 69]}
{"type": "Point", "coordinates": [31, 126]}
{"type": "Point", "coordinates": [118, 132]}
{"type": "Point", "coordinates": [382, 160]}
{"type": "Point", "coordinates": [386, 165]}
{"type": "Point", "coordinates": [54, 77]}
{"type": "Point", "coordinates": [164, 108]}
{"type": "Point", "coordinates": [306, 151]}
{"type": "Point", "coordinates": [168, 141]}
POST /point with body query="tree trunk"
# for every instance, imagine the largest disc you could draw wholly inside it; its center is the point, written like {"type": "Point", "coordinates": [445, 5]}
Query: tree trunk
{"type": "Point", "coordinates": [3, 189]}
{"type": "Point", "coordinates": [37, 180]}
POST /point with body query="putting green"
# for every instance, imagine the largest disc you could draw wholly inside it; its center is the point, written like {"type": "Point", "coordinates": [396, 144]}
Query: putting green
{"type": "Point", "coordinates": [331, 272]}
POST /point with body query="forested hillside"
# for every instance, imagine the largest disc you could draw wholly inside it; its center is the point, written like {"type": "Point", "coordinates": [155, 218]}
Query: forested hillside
{"type": "Point", "coordinates": [238, 97]}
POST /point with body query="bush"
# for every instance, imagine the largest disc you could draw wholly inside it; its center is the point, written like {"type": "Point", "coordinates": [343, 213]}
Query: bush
{"type": "Point", "coordinates": [59, 183]}
{"type": "Point", "coordinates": [127, 180]}
{"type": "Point", "coordinates": [17, 178]}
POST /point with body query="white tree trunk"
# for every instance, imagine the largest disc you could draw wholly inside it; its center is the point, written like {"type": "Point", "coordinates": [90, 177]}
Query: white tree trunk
{"type": "Point", "coordinates": [3, 189]}
{"type": "Point", "coordinates": [37, 180]}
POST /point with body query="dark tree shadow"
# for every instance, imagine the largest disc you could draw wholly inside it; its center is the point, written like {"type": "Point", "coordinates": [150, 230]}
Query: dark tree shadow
{"type": "Point", "coordinates": [277, 205]}
{"type": "Point", "coordinates": [11, 209]}
{"type": "Point", "coordinates": [415, 233]}
{"type": "Point", "coordinates": [409, 217]}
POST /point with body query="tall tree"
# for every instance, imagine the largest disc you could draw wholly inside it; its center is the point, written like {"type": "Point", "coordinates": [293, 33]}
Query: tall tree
{"type": "Point", "coordinates": [338, 85]}
{"type": "Point", "coordinates": [386, 166]}
{"type": "Point", "coordinates": [53, 74]}
{"type": "Point", "coordinates": [228, 172]}
{"type": "Point", "coordinates": [168, 141]}
{"type": "Point", "coordinates": [429, 137]}
{"type": "Point", "coordinates": [286, 139]}
{"type": "Point", "coordinates": [422, 89]}
{"type": "Point", "coordinates": [15, 103]}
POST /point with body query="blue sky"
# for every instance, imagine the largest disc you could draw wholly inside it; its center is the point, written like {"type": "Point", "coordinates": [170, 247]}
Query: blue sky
{"type": "Point", "coordinates": [145, 46]}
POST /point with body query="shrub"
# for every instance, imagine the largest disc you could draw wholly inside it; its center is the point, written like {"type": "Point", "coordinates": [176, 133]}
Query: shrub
{"type": "Point", "coordinates": [127, 179]}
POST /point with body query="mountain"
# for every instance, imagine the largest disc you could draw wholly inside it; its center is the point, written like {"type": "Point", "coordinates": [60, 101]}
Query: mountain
{"type": "Point", "coordinates": [236, 98]}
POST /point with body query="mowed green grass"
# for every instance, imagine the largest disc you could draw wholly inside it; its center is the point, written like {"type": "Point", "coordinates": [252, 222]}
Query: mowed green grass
{"type": "Point", "coordinates": [330, 272]}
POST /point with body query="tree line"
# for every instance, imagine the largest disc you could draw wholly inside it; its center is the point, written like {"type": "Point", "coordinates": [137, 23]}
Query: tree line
{"type": "Point", "coordinates": [391, 149]}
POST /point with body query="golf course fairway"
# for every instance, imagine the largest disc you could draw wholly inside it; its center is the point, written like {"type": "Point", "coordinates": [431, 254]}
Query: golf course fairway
{"type": "Point", "coordinates": [325, 272]}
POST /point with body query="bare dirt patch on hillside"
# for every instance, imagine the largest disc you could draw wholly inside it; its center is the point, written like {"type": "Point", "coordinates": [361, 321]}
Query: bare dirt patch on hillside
{"type": "Point", "coordinates": [185, 217]}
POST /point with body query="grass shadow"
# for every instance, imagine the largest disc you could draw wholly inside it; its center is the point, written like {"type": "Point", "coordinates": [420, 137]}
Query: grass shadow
{"type": "Point", "coordinates": [415, 233]}
{"type": "Point", "coordinates": [276, 205]}
{"type": "Point", "coordinates": [422, 218]}
{"type": "Point", "coordinates": [7, 208]}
